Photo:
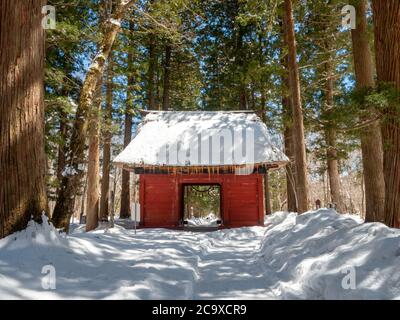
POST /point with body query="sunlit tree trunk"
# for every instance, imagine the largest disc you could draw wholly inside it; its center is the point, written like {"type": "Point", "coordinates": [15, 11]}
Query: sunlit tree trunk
{"type": "Point", "coordinates": [330, 139]}
{"type": "Point", "coordinates": [93, 174]}
{"type": "Point", "coordinates": [371, 138]}
{"type": "Point", "coordinates": [298, 126]}
{"type": "Point", "coordinates": [105, 181]}
{"type": "Point", "coordinates": [22, 156]}
{"type": "Point", "coordinates": [387, 46]}
{"type": "Point", "coordinates": [333, 169]}
{"type": "Point", "coordinates": [71, 182]}
{"type": "Point", "coordinates": [267, 194]}
{"type": "Point", "coordinates": [63, 122]}
{"type": "Point", "coordinates": [125, 209]}
{"type": "Point", "coordinates": [287, 120]}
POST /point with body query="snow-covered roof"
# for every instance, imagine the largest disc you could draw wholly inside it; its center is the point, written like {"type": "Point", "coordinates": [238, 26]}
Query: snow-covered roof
{"type": "Point", "coordinates": [196, 138]}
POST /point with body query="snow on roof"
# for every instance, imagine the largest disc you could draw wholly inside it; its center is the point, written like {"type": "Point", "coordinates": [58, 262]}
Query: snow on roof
{"type": "Point", "coordinates": [196, 138]}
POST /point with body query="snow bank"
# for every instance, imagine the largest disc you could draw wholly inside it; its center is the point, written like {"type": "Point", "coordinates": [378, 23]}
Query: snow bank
{"type": "Point", "coordinates": [277, 217]}
{"type": "Point", "coordinates": [355, 217]}
{"type": "Point", "coordinates": [44, 234]}
{"type": "Point", "coordinates": [308, 256]}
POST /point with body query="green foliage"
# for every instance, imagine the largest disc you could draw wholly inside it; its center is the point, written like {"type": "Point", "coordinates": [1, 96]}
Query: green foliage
{"type": "Point", "coordinates": [325, 54]}
{"type": "Point", "coordinates": [201, 200]}
{"type": "Point", "coordinates": [221, 50]}
{"type": "Point", "coordinates": [66, 47]}
{"type": "Point", "coordinates": [386, 95]}
{"type": "Point", "coordinates": [236, 44]}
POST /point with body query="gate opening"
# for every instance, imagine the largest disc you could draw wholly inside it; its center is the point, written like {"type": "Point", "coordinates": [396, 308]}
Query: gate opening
{"type": "Point", "coordinates": [202, 205]}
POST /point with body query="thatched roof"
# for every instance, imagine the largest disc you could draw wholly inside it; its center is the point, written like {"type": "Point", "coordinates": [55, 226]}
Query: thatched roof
{"type": "Point", "coordinates": [193, 139]}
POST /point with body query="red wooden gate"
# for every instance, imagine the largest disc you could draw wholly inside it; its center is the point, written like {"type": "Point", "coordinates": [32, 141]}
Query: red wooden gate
{"type": "Point", "coordinates": [242, 202]}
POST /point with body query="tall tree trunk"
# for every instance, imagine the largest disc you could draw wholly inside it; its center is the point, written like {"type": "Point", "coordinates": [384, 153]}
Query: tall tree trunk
{"type": "Point", "coordinates": [105, 181]}
{"type": "Point", "coordinates": [242, 98]}
{"type": "Point", "coordinates": [242, 86]}
{"type": "Point", "coordinates": [298, 126]}
{"type": "Point", "coordinates": [158, 85]}
{"type": "Point", "coordinates": [288, 133]}
{"type": "Point", "coordinates": [387, 46]}
{"type": "Point", "coordinates": [238, 34]}
{"type": "Point", "coordinates": [71, 182]}
{"type": "Point", "coordinates": [167, 70]}
{"type": "Point", "coordinates": [330, 139]}
{"type": "Point", "coordinates": [333, 169]}
{"type": "Point", "coordinates": [61, 159]}
{"type": "Point", "coordinates": [151, 73]}
{"type": "Point", "coordinates": [63, 130]}
{"type": "Point", "coordinates": [263, 107]}
{"type": "Point", "coordinates": [93, 173]}
{"type": "Point", "coordinates": [371, 138]}
{"type": "Point", "coordinates": [253, 96]}
{"type": "Point", "coordinates": [363, 211]}
{"type": "Point", "coordinates": [263, 98]}
{"type": "Point", "coordinates": [22, 156]}
{"type": "Point", "coordinates": [325, 187]}
{"type": "Point", "coordinates": [290, 168]}
{"type": "Point", "coordinates": [267, 194]}
{"type": "Point", "coordinates": [263, 101]}
{"type": "Point", "coordinates": [125, 210]}
{"type": "Point", "coordinates": [83, 198]}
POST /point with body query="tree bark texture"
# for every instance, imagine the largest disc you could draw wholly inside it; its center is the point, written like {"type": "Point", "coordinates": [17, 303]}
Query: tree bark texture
{"type": "Point", "coordinates": [22, 155]}
{"type": "Point", "coordinates": [298, 126]}
{"type": "Point", "coordinates": [386, 15]}
{"type": "Point", "coordinates": [105, 181]}
{"type": "Point", "coordinates": [330, 139]}
{"type": "Point", "coordinates": [125, 209]}
{"type": "Point", "coordinates": [371, 138]}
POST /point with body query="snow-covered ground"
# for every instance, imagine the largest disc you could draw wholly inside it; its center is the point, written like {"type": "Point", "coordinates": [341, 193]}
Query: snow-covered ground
{"type": "Point", "coordinates": [318, 255]}
{"type": "Point", "coordinates": [210, 220]}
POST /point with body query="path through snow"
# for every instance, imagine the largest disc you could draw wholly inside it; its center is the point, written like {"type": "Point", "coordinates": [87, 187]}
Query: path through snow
{"type": "Point", "coordinates": [294, 257]}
